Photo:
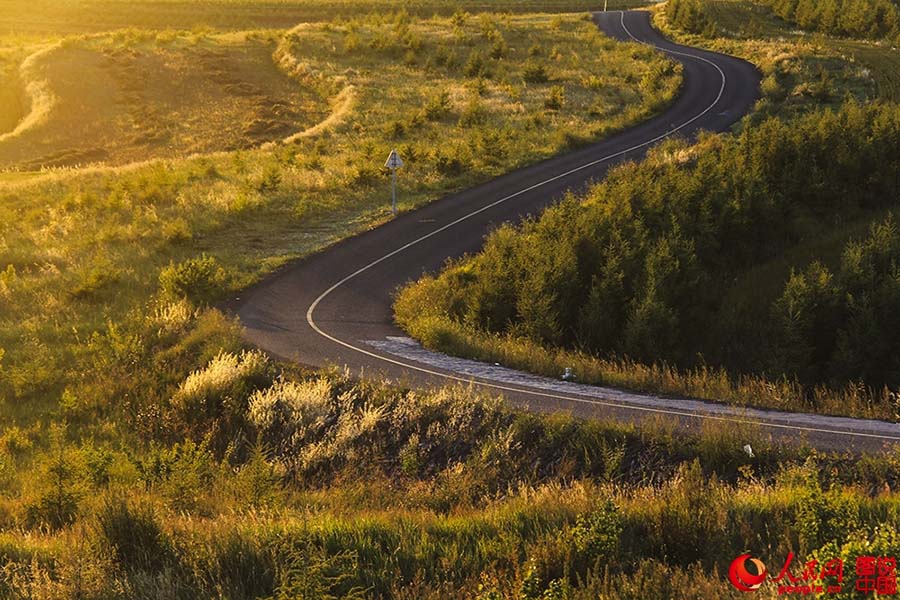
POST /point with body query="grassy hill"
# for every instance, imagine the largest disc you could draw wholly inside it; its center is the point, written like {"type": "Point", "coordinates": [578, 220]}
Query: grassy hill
{"type": "Point", "coordinates": [146, 453]}
{"type": "Point", "coordinates": [82, 249]}
{"type": "Point", "coordinates": [357, 490]}
{"type": "Point", "coordinates": [126, 469]}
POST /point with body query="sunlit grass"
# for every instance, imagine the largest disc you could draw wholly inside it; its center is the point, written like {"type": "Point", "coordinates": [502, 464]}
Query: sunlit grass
{"type": "Point", "coordinates": [81, 249]}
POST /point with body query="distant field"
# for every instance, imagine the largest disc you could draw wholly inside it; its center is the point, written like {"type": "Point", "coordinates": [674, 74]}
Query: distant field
{"type": "Point", "coordinates": [114, 102]}
{"type": "Point", "coordinates": [75, 16]}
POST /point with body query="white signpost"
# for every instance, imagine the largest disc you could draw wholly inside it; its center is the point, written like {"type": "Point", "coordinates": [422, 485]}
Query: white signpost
{"type": "Point", "coordinates": [393, 163]}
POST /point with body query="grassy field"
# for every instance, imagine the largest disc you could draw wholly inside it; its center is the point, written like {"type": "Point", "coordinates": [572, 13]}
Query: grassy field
{"type": "Point", "coordinates": [357, 490]}
{"type": "Point", "coordinates": [80, 16]}
{"type": "Point", "coordinates": [83, 248]}
{"type": "Point", "coordinates": [145, 453]}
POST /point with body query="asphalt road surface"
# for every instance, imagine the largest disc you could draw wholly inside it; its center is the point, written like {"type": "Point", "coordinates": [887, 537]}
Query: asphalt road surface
{"type": "Point", "coordinates": [334, 307]}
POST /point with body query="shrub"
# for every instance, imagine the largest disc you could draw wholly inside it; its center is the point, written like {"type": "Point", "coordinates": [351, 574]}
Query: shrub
{"type": "Point", "coordinates": [438, 106]}
{"type": "Point", "coordinates": [57, 506]}
{"type": "Point", "coordinates": [214, 399]}
{"type": "Point", "coordinates": [596, 534]}
{"type": "Point", "coordinates": [200, 280]}
{"type": "Point", "coordinates": [475, 65]}
{"type": "Point", "coordinates": [499, 48]}
{"type": "Point", "coordinates": [535, 72]}
{"type": "Point", "coordinates": [257, 484]}
{"type": "Point", "coordinates": [473, 114]}
{"type": "Point", "coordinates": [289, 414]}
{"type": "Point", "coordinates": [556, 97]}
{"type": "Point", "coordinates": [183, 474]}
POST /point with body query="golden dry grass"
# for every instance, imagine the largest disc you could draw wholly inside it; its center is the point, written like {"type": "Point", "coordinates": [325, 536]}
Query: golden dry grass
{"type": "Point", "coordinates": [104, 101]}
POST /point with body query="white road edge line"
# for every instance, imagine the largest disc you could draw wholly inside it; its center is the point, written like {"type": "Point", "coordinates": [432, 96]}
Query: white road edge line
{"type": "Point", "coordinates": [312, 307]}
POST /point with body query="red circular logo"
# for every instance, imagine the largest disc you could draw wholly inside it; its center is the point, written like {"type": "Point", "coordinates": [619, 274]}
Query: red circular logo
{"type": "Point", "coordinates": [742, 578]}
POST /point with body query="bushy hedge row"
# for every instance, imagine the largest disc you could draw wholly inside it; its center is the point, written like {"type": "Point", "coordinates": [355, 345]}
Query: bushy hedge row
{"type": "Point", "coordinates": [642, 266]}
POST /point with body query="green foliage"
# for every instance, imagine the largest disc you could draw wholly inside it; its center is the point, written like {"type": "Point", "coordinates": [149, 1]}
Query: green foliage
{"type": "Point", "coordinates": [58, 504]}
{"type": "Point", "coordinates": [200, 280]}
{"type": "Point", "coordinates": [535, 72]}
{"type": "Point", "coordinates": [475, 65]}
{"type": "Point", "coordinates": [438, 107]}
{"type": "Point", "coordinates": [837, 327]}
{"type": "Point", "coordinates": [690, 15]}
{"type": "Point", "coordinates": [596, 534]}
{"type": "Point", "coordinates": [183, 474]}
{"type": "Point", "coordinates": [556, 97]}
{"type": "Point", "coordinates": [825, 516]}
{"type": "Point", "coordinates": [257, 484]}
{"type": "Point", "coordinates": [307, 572]}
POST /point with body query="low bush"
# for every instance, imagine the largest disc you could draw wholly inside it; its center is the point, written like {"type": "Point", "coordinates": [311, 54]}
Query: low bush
{"type": "Point", "coordinates": [200, 280]}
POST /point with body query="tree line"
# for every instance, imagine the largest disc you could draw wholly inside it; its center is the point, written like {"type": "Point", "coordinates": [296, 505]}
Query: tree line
{"type": "Point", "coordinates": [865, 19]}
{"type": "Point", "coordinates": [869, 19]}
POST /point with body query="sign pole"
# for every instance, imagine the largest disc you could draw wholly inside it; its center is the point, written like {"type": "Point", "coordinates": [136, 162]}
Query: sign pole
{"type": "Point", "coordinates": [394, 191]}
{"type": "Point", "coordinates": [393, 163]}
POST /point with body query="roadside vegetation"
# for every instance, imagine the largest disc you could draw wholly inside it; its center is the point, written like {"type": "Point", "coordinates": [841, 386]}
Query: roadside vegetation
{"type": "Point", "coordinates": [802, 68]}
{"type": "Point", "coordinates": [146, 453]}
{"type": "Point", "coordinates": [249, 479]}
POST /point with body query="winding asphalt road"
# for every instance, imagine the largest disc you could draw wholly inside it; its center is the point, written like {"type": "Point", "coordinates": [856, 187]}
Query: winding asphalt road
{"type": "Point", "coordinates": [334, 308]}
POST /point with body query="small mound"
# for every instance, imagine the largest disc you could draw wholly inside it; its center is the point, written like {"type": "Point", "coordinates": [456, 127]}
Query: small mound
{"type": "Point", "coordinates": [121, 104]}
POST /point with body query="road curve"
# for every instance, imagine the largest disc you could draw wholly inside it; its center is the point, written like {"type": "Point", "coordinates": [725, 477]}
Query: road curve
{"type": "Point", "coordinates": [334, 307]}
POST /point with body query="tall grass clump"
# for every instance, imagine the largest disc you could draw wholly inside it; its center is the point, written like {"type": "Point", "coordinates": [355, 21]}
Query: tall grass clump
{"type": "Point", "coordinates": [212, 401]}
